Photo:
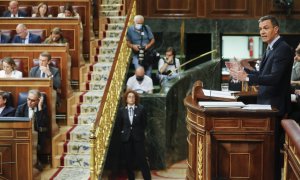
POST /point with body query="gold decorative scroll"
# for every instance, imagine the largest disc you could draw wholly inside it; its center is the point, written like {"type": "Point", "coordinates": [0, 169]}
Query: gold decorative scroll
{"type": "Point", "coordinates": [103, 126]}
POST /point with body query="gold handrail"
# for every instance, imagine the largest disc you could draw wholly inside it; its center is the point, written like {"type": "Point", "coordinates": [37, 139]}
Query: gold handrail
{"type": "Point", "coordinates": [102, 128]}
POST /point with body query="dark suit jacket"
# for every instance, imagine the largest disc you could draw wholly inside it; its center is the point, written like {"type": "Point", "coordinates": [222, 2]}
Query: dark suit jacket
{"type": "Point", "coordinates": [20, 14]}
{"type": "Point", "coordinates": [137, 128]}
{"type": "Point", "coordinates": [36, 72]}
{"type": "Point", "coordinates": [41, 124]}
{"type": "Point", "coordinates": [274, 77]}
{"type": "Point", "coordinates": [41, 116]}
{"type": "Point", "coordinates": [8, 111]}
{"type": "Point", "coordinates": [4, 38]}
{"type": "Point", "coordinates": [32, 39]}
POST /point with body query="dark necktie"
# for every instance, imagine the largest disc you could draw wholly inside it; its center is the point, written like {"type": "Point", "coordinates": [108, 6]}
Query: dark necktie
{"type": "Point", "coordinates": [14, 15]}
{"type": "Point", "coordinates": [131, 111]}
{"type": "Point", "coordinates": [43, 75]}
{"type": "Point", "coordinates": [268, 51]}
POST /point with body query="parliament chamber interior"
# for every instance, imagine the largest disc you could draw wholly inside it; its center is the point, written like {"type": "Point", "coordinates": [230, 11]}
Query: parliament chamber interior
{"type": "Point", "coordinates": [88, 74]}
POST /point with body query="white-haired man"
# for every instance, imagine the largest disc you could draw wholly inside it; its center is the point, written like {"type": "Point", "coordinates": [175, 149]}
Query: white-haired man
{"type": "Point", "coordinates": [140, 36]}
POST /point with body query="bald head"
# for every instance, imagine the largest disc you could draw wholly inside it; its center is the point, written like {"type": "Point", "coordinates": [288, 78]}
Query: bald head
{"type": "Point", "coordinates": [140, 71]}
{"type": "Point", "coordinates": [13, 7]}
{"type": "Point", "coordinates": [21, 30]}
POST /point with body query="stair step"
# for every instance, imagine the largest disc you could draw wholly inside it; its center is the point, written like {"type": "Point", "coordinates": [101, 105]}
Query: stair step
{"type": "Point", "coordinates": [71, 160]}
{"type": "Point", "coordinates": [79, 133]}
{"type": "Point", "coordinates": [75, 148]}
{"type": "Point", "coordinates": [72, 173]}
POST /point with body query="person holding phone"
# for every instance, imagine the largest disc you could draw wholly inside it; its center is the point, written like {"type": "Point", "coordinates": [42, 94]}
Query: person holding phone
{"type": "Point", "coordinates": [36, 109]}
{"type": "Point", "coordinates": [168, 67]}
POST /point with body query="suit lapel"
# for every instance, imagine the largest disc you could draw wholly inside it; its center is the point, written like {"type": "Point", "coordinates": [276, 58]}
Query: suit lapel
{"type": "Point", "coordinates": [270, 54]}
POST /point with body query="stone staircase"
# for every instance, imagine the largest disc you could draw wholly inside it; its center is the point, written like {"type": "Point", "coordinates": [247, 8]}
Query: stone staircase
{"type": "Point", "coordinates": [71, 150]}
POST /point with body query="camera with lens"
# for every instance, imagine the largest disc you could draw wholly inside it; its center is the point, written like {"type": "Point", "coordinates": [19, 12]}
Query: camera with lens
{"type": "Point", "coordinates": [141, 54]}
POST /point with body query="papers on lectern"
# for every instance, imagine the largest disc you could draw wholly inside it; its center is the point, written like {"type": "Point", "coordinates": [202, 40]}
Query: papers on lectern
{"type": "Point", "coordinates": [258, 107]}
{"type": "Point", "coordinates": [220, 104]}
{"type": "Point", "coordinates": [220, 94]}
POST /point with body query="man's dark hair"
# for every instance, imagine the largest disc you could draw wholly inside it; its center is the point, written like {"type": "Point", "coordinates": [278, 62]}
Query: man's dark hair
{"type": "Point", "coordinates": [4, 95]}
{"type": "Point", "coordinates": [171, 49]}
{"type": "Point", "coordinates": [273, 20]}
{"type": "Point", "coordinates": [46, 54]}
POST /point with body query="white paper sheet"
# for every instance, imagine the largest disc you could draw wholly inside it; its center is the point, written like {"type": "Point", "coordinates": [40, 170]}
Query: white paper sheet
{"type": "Point", "coordinates": [220, 104]}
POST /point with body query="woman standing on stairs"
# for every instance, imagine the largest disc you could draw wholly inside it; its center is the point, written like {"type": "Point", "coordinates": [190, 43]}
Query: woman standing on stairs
{"type": "Point", "coordinates": [131, 123]}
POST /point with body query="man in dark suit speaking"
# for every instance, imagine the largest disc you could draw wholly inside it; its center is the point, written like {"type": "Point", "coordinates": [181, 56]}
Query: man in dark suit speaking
{"type": "Point", "coordinates": [131, 122]}
{"type": "Point", "coordinates": [275, 68]}
{"type": "Point", "coordinates": [25, 37]}
{"type": "Point", "coordinates": [273, 76]}
{"type": "Point", "coordinates": [45, 70]}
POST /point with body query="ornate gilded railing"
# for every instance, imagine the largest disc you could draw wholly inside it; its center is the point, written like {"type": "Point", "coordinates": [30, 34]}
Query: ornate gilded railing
{"type": "Point", "coordinates": [291, 168]}
{"type": "Point", "coordinates": [102, 129]}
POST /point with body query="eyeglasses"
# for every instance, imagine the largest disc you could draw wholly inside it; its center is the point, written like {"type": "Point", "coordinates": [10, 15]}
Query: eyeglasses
{"type": "Point", "coordinates": [32, 100]}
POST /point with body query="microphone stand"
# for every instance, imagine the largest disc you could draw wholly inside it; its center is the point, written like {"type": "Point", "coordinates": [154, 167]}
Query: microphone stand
{"type": "Point", "coordinates": [189, 61]}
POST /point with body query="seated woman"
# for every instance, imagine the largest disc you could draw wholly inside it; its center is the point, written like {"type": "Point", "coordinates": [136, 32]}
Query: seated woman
{"type": "Point", "coordinates": [56, 37]}
{"type": "Point", "coordinates": [68, 12]}
{"type": "Point", "coordinates": [168, 67]}
{"type": "Point", "coordinates": [42, 11]}
{"type": "Point", "coordinates": [9, 69]}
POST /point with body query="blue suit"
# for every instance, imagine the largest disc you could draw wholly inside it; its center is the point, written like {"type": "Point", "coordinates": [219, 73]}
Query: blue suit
{"type": "Point", "coordinates": [4, 39]}
{"type": "Point", "coordinates": [32, 39]}
{"type": "Point", "coordinates": [274, 77]}
{"type": "Point", "coordinates": [20, 14]}
{"type": "Point", "coordinates": [36, 72]}
{"type": "Point", "coordinates": [8, 111]}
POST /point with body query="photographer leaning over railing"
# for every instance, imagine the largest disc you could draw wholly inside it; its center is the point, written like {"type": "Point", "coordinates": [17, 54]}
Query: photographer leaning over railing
{"type": "Point", "coordinates": [140, 39]}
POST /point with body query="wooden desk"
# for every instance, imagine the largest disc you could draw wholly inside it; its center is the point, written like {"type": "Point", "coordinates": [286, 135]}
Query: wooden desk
{"type": "Point", "coordinates": [27, 53]}
{"type": "Point", "coordinates": [15, 86]}
{"type": "Point", "coordinates": [83, 7]}
{"type": "Point", "coordinates": [229, 143]}
{"type": "Point", "coordinates": [15, 149]}
{"type": "Point", "coordinates": [71, 31]}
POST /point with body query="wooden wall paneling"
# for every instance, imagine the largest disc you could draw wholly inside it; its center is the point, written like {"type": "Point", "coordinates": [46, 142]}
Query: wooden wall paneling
{"type": "Point", "coordinates": [230, 8]}
{"type": "Point", "coordinates": [16, 150]}
{"type": "Point", "coordinates": [201, 8]}
{"type": "Point", "coordinates": [6, 153]}
{"type": "Point", "coordinates": [23, 149]}
{"type": "Point", "coordinates": [172, 8]}
{"type": "Point", "coordinates": [143, 7]}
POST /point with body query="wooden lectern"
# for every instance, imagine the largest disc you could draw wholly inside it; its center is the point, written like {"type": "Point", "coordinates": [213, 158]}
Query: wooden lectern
{"type": "Point", "coordinates": [15, 148]}
{"type": "Point", "coordinates": [228, 143]}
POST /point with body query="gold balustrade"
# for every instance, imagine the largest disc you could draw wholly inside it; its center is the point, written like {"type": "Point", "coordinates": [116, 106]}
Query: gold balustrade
{"type": "Point", "coordinates": [102, 128]}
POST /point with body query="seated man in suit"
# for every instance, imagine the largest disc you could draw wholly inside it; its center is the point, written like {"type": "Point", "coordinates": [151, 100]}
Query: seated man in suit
{"type": "Point", "coordinates": [3, 38]}
{"type": "Point", "coordinates": [13, 10]}
{"type": "Point", "coordinates": [5, 111]}
{"type": "Point", "coordinates": [25, 37]}
{"type": "Point", "coordinates": [45, 70]}
{"type": "Point", "coordinates": [36, 110]}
